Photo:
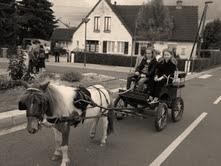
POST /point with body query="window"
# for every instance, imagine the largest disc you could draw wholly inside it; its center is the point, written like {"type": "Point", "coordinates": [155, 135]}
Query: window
{"type": "Point", "coordinates": [120, 47]}
{"type": "Point", "coordinates": [107, 24]}
{"type": "Point", "coordinates": [110, 46]}
{"type": "Point", "coordinates": [92, 46]}
{"type": "Point", "coordinates": [97, 24]}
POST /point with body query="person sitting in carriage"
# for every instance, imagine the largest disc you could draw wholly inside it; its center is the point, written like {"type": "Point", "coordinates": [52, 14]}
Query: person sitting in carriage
{"type": "Point", "coordinates": [140, 67]}
{"type": "Point", "coordinates": [146, 67]}
{"type": "Point", "coordinates": [165, 70]}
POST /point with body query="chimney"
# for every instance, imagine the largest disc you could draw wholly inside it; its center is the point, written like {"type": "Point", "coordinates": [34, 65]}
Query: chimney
{"type": "Point", "coordinates": [115, 3]}
{"type": "Point", "coordinates": [179, 4]}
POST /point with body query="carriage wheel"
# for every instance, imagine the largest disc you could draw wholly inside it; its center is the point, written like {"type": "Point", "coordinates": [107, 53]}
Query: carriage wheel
{"type": "Point", "coordinates": [177, 109]}
{"type": "Point", "coordinates": [119, 103]}
{"type": "Point", "coordinates": [162, 116]}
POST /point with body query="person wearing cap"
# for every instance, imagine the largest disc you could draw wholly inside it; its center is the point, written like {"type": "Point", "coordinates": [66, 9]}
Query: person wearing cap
{"type": "Point", "coordinates": [166, 67]}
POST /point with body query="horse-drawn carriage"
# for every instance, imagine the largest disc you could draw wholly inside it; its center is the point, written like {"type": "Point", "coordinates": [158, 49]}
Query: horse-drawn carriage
{"type": "Point", "coordinates": [135, 102]}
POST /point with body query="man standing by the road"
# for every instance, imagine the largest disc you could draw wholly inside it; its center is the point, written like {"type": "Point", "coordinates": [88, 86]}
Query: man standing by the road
{"type": "Point", "coordinates": [57, 52]}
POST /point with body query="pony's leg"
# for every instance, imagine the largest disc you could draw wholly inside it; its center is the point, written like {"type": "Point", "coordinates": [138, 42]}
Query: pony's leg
{"type": "Point", "coordinates": [94, 128]}
{"type": "Point", "coordinates": [104, 134]}
{"type": "Point", "coordinates": [58, 141]}
{"type": "Point", "coordinates": [64, 146]}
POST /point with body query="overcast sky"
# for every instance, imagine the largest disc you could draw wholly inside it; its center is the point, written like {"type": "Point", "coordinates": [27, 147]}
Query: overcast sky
{"type": "Point", "coordinates": [72, 11]}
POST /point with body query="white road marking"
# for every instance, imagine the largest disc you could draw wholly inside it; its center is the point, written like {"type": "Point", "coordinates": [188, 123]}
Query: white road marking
{"type": "Point", "coordinates": [166, 153]}
{"type": "Point", "coordinates": [205, 76]}
{"type": "Point", "coordinates": [13, 129]}
{"type": "Point", "coordinates": [11, 114]}
{"type": "Point", "coordinates": [217, 100]}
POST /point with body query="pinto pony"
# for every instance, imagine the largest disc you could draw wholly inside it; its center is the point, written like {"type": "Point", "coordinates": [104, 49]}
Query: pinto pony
{"type": "Point", "coordinates": [64, 106]}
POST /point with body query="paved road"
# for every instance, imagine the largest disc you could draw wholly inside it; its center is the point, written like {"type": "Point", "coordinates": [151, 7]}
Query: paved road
{"type": "Point", "coordinates": [135, 141]}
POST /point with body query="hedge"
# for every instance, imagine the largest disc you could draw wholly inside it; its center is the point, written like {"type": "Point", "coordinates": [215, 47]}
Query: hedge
{"type": "Point", "coordinates": [197, 65]}
{"type": "Point", "coordinates": [105, 59]}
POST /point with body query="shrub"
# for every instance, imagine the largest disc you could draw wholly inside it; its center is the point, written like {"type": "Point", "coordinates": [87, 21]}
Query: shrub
{"type": "Point", "coordinates": [16, 67]}
{"type": "Point", "coordinates": [71, 77]}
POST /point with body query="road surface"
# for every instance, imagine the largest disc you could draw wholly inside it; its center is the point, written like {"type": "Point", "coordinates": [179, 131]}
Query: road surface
{"type": "Point", "coordinates": [194, 141]}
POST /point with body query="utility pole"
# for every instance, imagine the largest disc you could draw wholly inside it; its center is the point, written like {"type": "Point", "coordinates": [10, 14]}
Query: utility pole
{"type": "Point", "coordinates": [197, 37]}
{"type": "Point", "coordinates": [203, 26]}
{"type": "Point", "coordinates": [85, 20]}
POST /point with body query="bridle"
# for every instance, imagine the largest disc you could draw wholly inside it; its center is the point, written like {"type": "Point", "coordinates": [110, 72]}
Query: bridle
{"type": "Point", "coordinates": [38, 115]}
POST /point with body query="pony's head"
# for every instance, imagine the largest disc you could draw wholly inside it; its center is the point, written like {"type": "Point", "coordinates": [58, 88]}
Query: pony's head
{"type": "Point", "coordinates": [36, 103]}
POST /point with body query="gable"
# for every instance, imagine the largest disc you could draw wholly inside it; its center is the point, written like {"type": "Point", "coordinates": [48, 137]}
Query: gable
{"type": "Point", "coordinates": [108, 9]}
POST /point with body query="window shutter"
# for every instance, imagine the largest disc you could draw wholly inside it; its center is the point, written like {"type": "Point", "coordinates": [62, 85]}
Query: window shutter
{"type": "Point", "coordinates": [136, 48]}
{"type": "Point", "coordinates": [104, 46]}
{"type": "Point", "coordinates": [126, 48]}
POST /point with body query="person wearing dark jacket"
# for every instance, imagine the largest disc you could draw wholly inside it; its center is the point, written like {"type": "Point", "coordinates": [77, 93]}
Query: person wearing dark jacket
{"type": "Point", "coordinates": [139, 68]}
{"type": "Point", "coordinates": [165, 68]}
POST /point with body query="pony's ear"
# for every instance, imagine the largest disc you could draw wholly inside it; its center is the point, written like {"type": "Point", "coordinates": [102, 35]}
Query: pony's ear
{"type": "Point", "coordinates": [25, 84]}
{"type": "Point", "coordinates": [44, 86]}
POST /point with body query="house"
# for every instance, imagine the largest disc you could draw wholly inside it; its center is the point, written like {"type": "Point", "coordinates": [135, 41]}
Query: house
{"type": "Point", "coordinates": [63, 37]}
{"type": "Point", "coordinates": [111, 28]}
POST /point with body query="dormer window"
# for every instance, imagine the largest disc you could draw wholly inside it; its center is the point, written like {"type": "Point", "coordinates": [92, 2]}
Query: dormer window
{"type": "Point", "coordinates": [96, 24]}
{"type": "Point", "coordinates": [107, 24]}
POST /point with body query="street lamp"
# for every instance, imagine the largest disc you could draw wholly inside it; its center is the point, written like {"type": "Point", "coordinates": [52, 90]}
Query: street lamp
{"type": "Point", "coordinates": [85, 21]}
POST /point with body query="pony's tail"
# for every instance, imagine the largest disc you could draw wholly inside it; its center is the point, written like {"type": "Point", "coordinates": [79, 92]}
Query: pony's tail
{"type": "Point", "coordinates": [110, 118]}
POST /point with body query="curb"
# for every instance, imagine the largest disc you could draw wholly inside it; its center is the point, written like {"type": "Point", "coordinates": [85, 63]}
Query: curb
{"type": "Point", "coordinates": [14, 118]}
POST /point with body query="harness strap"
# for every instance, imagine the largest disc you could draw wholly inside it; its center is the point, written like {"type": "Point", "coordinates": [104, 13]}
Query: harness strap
{"type": "Point", "coordinates": [100, 91]}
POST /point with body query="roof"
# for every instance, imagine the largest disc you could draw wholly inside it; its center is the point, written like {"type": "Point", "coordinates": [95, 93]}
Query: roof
{"type": "Point", "coordinates": [63, 34]}
{"type": "Point", "coordinates": [185, 20]}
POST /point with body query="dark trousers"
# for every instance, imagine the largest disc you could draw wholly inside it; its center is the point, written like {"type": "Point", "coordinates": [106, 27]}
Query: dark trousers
{"type": "Point", "coordinates": [158, 86]}
{"type": "Point", "coordinates": [57, 55]}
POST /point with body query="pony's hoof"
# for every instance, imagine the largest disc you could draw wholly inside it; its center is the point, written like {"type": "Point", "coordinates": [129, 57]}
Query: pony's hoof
{"type": "Point", "coordinates": [56, 157]}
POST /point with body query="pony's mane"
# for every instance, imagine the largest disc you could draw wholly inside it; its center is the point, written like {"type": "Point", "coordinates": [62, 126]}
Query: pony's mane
{"type": "Point", "coordinates": [56, 101]}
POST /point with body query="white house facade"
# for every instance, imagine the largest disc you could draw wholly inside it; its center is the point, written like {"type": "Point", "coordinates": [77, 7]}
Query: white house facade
{"type": "Point", "coordinates": [111, 28]}
{"type": "Point", "coordinates": [105, 33]}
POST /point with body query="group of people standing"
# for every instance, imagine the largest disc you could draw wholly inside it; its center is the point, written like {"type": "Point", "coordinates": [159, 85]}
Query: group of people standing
{"type": "Point", "coordinates": [156, 71]}
{"type": "Point", "coordinates": [36, 57]}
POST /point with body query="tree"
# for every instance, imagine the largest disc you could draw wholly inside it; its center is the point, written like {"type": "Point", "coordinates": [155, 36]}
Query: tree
{"type": "Point", "coordinates": [212, 35]}
{"type": "Point", "coordinates": [36, 19]}
{"type": "Point", "coordinates": [7, 20]}
{"type": "Point", "coordinates": [153, 21]}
